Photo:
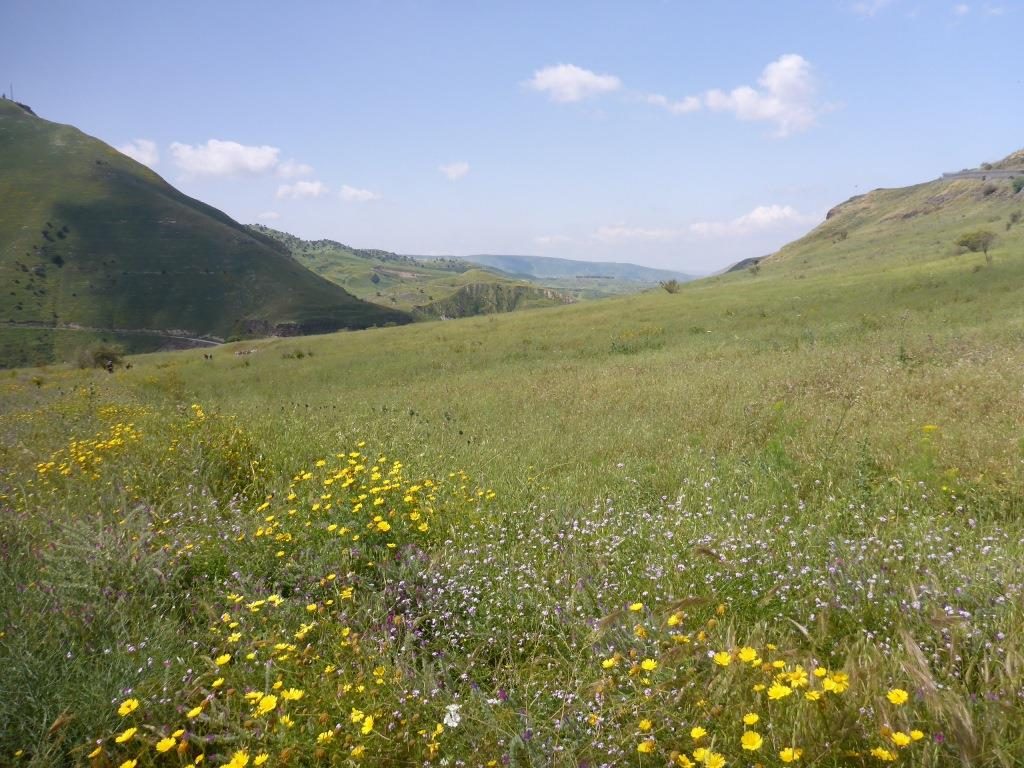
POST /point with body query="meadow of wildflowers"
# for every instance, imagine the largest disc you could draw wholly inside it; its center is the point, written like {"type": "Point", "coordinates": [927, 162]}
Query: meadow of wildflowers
{"type": "Point", "coordinates": [507, 543]}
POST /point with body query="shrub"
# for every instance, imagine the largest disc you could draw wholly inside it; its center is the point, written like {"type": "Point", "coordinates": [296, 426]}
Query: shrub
{"type": "Point", "coordinates": [100, 355]}
{"type": "Point", "coordinates": [978, 240]}
{"type": "Point", "coordinates": [671, 286]}
{"type": "Point", "coordinates": [988, 189]}
{"type": "Point", "coordinates": [1018, 184]}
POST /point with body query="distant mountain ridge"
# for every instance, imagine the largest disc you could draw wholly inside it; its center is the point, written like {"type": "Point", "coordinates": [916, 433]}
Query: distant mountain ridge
{"type": "Point", "coordinates": [551, 267]}
{"type": "Point", "coordinates": [89, 238]}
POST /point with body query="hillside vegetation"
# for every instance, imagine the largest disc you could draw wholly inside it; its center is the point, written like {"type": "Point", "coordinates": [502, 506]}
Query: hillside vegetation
{"type": "Point", "coordinates": [774, 518]}
{"type": "Point", "coordinates": [90, 238]}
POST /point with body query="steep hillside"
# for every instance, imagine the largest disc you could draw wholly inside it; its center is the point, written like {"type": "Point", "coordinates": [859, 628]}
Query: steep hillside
{"type": "Point", "coordinates": [91, 239]}
{"type": "Point", "coordinates": [911, 227]}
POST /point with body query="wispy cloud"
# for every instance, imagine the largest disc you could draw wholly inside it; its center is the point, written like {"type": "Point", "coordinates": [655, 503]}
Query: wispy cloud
{"type": "Point", "coordinates": [869, 7]}
{"type": "Point", "coordinates": [619, 232]}
{"type": "Point", "coordinates": [142, 151]}
{"type": "Point", "coordinates": [679, 107]}
{"type": "Point", "coordinates": [223, 158]}
{"type": "Point", "coordinates": [761, 218]}
{"type": "Point", "coordinates": [785, 96]}
{"type": "Point", "coordinates": [356, 195]}
{"type": "Point", "coordinates": [291, 169]}
{"type": "Point", "coordinates": [454, 171]}
{"type": "Point", "coordinates": [302, 190]}
{"type": "Point", "coordinates": [567, 83]}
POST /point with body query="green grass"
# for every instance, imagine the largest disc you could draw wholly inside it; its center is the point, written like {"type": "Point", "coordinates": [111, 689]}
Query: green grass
{"type": "Point", "coordinates": [89, 237]}
{"type": "Point", "coordinates": [822, 462]}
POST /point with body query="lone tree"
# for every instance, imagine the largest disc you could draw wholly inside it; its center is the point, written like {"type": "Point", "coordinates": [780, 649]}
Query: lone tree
{"type": "Point", "coordinates": [672, 286]}
{"type": "Point", "coordinates": [978, 240]}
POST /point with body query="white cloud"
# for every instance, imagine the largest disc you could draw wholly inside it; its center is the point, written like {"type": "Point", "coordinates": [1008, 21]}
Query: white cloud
{"type": "Point", "coordinates": [761, 218]}
{"type": "Point", "coordinates": [552, 240]}
{"type": "Point", "coordinates": [621, 232]}
{"type": "Point", "coordinates": [785, 96]}
{"type": "Point", "coordinates": [268, 216]}
{"type": "Point", "coordinates": [869, 7]}
{"type": "Point", "coordinates": [223, 158]}
{"type": "Point", "coordinates": [454, 170]}
{"type": "Point", "coordinates": [356, 195]}
{"type": "Point", "coordinates": [142, 151]}
{"type": "Point", "coordinates": [961, 9]}
{"type": "Point", "coordinates": [291, 169]}
{"type": "Point", "coordinates": [301, 190]}
{"type": "Point", "coordinates": [681, 107]}
{"type": "Point", "coordinates": [567, 82]}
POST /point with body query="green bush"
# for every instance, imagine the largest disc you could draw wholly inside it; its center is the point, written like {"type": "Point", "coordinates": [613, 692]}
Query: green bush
{"type": "Point", "coordinates": [100, 355]}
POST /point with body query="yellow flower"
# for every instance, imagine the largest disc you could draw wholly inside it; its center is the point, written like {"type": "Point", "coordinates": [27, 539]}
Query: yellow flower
{"type": "Point", "coordinates": [128, 764]}
{"type": "Point", "coordinates": [223, 659]}
{"type": "Point", "coordinates": [697, 733]}
{"type": "Point", "coordinates": [194, 712]}
{"type": "Point", "coordinates": [127, 707]}
{"type": "Point", "coordinates": [779, 691]}
{"type": "Point", "coordinates": [812, 695]}
{"type": "Point", "coordinates": [751, 741]}
{"type": "Point", "coordinates": [750, 718]}
{"type": "Point", "coordinates": [324, 737]}
{"type": "Point", "coordinates": [357, 751]}
{"type": "Point", "coordinates": [748, 655]}
{"type": "Point", "coordinates": [292, 694]}
{"type": "Point", "coordinates": [648, 665]}
{"type": "Point", "coordinates": [636, 607]}
{"type": "Point", "coordinates": [238, 760]}
{"type": "Point", "coordinates": [645, 746]}
{"type": "Point", "coordinates": [267, 704]}
{"type": "Point", "coordinates": [165, 744]}
{"type": "Point", "coordinates": [260, 759]}
{"type": "Point", "coordinates": [836, 683]}
{"type": "Point", "coordinates": [286, 721]}
{"type": "Point", "coordinates": [897, 696]}
{"type": "Point", "coordinates": [900, 739]}
{"type": "Point", "coordinates": [217, 683]}
{"type": "Point", "coordinates": [723, 658]}
{"type": "Point", "coordinates": [916, 735]}
{"type": "Point", "coordinates": [645, 725]}
{"type": "Point", "coordinates": [95, 753]}
{"type": "Point", "coordinates": [126, 735]}
{"type": "Point", "coordinates": [883, 754]}
{"type": "Point", "coordinates": [367, 725]}
{"type": "Point", "coordinates": [356, 715]}
{"type": "Point", "coordinates": [609, 662]}
{"type": "Point", "coordinates": [714, 760]}
{"type": "Point", "coordinates": [790, 754]}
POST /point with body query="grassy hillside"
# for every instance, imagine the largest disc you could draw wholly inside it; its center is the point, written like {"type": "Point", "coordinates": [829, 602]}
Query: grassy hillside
{"type": "Point", "coordinates": [774, 518]}
{"type": "Point", "coordinates": [547, 267]}
{"type": "Point", "coordinates": [89, 237]}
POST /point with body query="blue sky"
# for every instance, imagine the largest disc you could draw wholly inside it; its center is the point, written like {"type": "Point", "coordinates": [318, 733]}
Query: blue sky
{"type": "Point", "coordinates": [678, 134]}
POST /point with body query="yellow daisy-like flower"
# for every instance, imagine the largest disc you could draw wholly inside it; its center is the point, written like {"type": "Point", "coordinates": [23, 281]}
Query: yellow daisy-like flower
{"type": "Point", "coordinates": [916, 735]}
{"type": "Point", "coordinates": [260, 759]}
{"type": "Point", "coordinates": [751, 741]}
{"type": "Point", "coordinates": [646, 746]}
{"type": "Point", "coordinates": [266, 705]}
{"type": "Point", "coordinates": [723, 658]}
{"type": "Point", "coordinates": [194, 712]}
{"type": "Point", "coordinates": [697, 733]}
{"type": "Point", "coordinates": [127, 707]}
{"type": "Point", "coordinates": [217, 683]}
{"type": "Point", "coordinates": [356, 715]}
{"type": "Point", "coordinates": [648, 665]}
{"type": "Point", "coordinates": [609, 663]}
{"type": "Point", "coordinates": [748, 655]}
{"type": "Point", "coordinates": [883, 754]}
{"type": "Point", "coordinates": [223, 659]}
{"type": "Point", "coordinates": [238, 760]}
{"type": "Point", "coordinates": [358, 751]}
{"type": "Point", "coordinates": [95, 753]}
{"type": "Point", "coordinates": [714, 760]}
{"type": "Point", "coordinates": [779, 691]}
{"type": "Point", "coordinates": [125, 735]}
{"type": "Point", "coordinates": [292, 694]}
{"type": "Point", "coordinates": [165, 744]}
{"type": "Point", "coordinates": [900, 739]}
{"type": "Point", "coordinates": [645, 725]}
{"type": "Point", "coordinates": [636, 607]}
{"type": "Point", "coordinates": [897, 696]}
{"type": "Point", "coordinates": [750, 718]}
{"type": "Point", "coordinates": [812, 695]}
{"type": "Point", "coordinates": [324, 737]}
{"type": "Point", "coordinates": [367, 725]}
{"type": "Point", "coordinates": [790, 754]}
{"type": "Point", "coordinates": [128, 764]}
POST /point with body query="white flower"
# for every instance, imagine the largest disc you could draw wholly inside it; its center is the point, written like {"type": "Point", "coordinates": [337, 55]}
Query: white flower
{"type": "Point", "coordinates": [452, 717]}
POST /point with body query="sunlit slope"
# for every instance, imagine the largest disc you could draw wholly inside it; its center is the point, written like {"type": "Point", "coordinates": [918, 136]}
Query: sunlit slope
{"type": "Point", "coordinates": [89, 237]}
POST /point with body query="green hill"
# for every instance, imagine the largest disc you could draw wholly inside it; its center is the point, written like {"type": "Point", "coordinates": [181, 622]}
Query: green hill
{"type": "Point", "coordinates": [430, 288]}
{"type": "Point", "coordinates": [93, 243]}
{"type": "Point", "coordinates": [547, 267]}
